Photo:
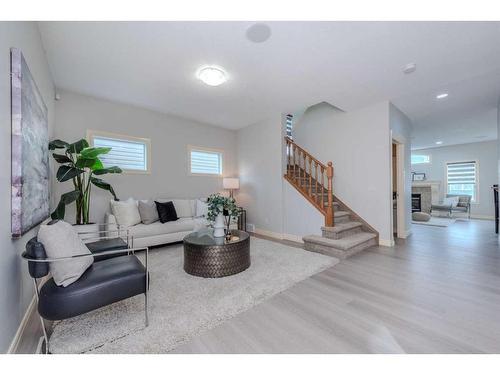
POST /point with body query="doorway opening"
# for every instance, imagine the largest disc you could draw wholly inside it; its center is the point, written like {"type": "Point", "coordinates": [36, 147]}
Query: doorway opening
{"type": "Point", "coordinates": [398, 189]}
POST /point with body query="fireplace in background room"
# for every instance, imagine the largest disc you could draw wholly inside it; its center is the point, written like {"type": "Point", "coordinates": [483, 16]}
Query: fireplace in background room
{"type": "Point", "coordinates": [416, 202]}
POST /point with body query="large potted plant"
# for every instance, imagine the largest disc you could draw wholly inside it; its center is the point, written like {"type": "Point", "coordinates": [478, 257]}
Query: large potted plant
{"type": "Point", "coordinates": [80, 164]}
{"type": "Point", "coordinates": [220, 212]}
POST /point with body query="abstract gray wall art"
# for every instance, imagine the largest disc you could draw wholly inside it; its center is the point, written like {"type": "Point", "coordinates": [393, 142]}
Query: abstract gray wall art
{"type": "Point", "coordinates": [30, 155]}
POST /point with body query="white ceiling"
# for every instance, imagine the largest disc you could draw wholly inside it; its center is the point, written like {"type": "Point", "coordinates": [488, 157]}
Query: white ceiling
{"type": "Point", "coordinates": [348, 64]}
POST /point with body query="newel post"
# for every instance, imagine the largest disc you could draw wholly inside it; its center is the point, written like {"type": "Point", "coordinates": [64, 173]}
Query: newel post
{"type": "Point", "coordinates": [329, 221]}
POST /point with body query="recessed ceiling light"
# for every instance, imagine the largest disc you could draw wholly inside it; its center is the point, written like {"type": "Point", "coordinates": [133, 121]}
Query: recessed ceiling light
{"type": "Point", "coordinates": [212, 75]}
{"type": "Point", "coordinates": [258, 33]}
{"type": "Point", "coordinates": [442, 96]}
{"type": "Point", "coordinates": [439, 142]}
{"type": "Point", "coordinates": [409, 68]}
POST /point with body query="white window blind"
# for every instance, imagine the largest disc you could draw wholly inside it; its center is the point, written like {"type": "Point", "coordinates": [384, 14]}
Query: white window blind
{"type": "Point", "coordinates": [289, 126]}
{"type": "Point", "coordinates": [206, 162]}
{"type": "Point", "coordinates": [127, 153]}
{"type": "Point", "coordinates": [462, 178]}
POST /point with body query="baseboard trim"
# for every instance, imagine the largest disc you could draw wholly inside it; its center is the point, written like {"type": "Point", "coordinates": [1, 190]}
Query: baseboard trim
{"type": "Point", "coordinates": [279, 236]}
{"type": "Point", "coordinates": [268, 233]}
{"type": "Point", "coordinates": [384, 242]}
{"type": "Point", "coordinates": [482, 217]}
{"type": "Point", "coordinates": [293, 238]}
{"type": "Point", "coordinates": [20, 330]}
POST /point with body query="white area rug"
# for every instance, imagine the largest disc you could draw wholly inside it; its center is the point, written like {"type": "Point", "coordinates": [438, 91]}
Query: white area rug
{"type": "Point", "coordinates": [182, 306]}
{"type": "Point", "coordinates": [437, 221]}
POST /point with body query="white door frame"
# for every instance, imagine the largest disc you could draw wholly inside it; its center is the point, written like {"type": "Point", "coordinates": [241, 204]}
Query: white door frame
{"type": "Point", "coordinates": [399, 141]}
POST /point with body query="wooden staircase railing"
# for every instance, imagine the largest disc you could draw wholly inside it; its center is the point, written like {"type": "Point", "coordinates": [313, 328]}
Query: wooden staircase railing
{"type": "Point", "coordinates": [312, 178]}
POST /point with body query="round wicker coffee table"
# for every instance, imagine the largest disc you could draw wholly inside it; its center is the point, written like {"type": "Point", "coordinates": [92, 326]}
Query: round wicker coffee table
{"type": "Point", "coordinates": [209, 256]}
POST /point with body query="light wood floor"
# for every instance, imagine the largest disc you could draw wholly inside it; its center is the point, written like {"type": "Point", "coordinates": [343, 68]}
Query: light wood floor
{"type": "Point", "coordinates": [436, 292]}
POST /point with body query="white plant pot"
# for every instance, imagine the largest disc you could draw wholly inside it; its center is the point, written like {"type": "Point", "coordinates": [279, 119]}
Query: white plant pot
{"type": "Point", "coordinates": [219, 226]}
{"type": "Point", "coordinates": [86, 228]}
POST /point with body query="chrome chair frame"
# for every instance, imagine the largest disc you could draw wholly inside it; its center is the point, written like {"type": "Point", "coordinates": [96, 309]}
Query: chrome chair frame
{"type": "Point", "coordinates": [109, 252]}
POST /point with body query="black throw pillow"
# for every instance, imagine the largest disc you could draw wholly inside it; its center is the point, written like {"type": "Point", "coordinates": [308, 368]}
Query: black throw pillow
{"type": "Point", "coordinates": [166, 211]}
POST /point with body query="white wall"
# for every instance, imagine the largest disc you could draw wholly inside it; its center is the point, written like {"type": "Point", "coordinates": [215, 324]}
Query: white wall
{"type": "Point", "coordinates": [170, 137]}
{"type": "Point", "coordinates": [486, 153]}
{"type": "Point", "coordinates": [358, 143]}
{"type": "Point", "coordinates": [17, 289]}
{"type": "Point", "coordinates": [261, 174]}
{"type": "Point", "coordinates": [498, 140]}
{"type": "Point", "coordinates": [401, 128]}
{"type": "Point", "coordinates": [300, 218]}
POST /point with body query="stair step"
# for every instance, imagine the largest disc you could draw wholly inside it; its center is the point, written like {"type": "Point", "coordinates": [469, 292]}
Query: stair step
{"type": "Point", "coordinates": [341, 217]}
{"type": "Point", "coordinates": [342, 230]}
{"type": "Point", "coordinates": [341, 248]}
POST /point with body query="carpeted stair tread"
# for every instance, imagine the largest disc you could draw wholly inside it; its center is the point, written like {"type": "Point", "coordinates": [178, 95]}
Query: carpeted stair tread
{"type": "Point", "coordinates": [342, 227]}
{"type": "Point", "coordinates": [343, 243]}
{"type": "Point", "coordinates": [340, 213]}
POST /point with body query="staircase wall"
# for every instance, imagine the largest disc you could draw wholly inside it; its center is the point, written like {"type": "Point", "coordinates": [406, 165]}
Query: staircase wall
{"type": "Point", "coordinates": [300, 218]}
{"type": "Point", "coordinates": [260, 165]}
{"type": "Point", "coordinates": [357, 142]}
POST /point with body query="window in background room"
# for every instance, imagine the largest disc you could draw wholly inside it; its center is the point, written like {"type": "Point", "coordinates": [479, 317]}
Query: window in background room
{"type": "Point", "coordinates": [420, 159]}
{"type": "Point", "coordinates": [204, 161]}
{"type": "Point", "coordinates": [129, 153]}
{"type": "Point", "coordinates": [461, 178]}
{"type": "Point", "coordinates": [289, 126]}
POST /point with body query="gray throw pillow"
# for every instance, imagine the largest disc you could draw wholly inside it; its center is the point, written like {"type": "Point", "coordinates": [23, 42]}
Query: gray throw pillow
{"type": "Point", "coordinates": [61, 240]}
{"type": "Point", "coordinates": [148, 212]}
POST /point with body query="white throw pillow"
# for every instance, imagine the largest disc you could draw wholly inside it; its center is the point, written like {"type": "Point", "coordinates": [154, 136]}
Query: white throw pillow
{"type": "Point", "coordinates": [201, 208]}
{"type": "Point", "coordinates": [451, 201]}
{"type": "Point", "coordinates": [183, 207]}
{"type": "Point", "coordinates": [61, 240]}
{"type": "Point", "coordinates": [126, 212]}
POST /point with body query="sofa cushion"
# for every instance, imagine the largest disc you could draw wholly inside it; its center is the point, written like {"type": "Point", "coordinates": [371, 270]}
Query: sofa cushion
{"type": "Point", "coordinates": [450, 201]}
{"type": "Point", "coordinates": [126, 212]}
{"type": "Point", "coordinates": [166, 211]}
{"type": "Point", "coordinates": [148, 212]}
{"type": "Point", "coordinates": [158, 228]}
{"type": "Point", "coordinates": [201, 209]}
{"type": "Point", "coordinates": [184, 207]}
{"type": "Point", "coordinates": [61, 240]}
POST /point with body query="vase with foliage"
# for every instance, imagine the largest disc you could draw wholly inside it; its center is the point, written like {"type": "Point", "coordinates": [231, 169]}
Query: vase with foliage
{"type": "Point", "coordinates": [80, 164]}
{"type": "Point", "coordinates": [220, 212]}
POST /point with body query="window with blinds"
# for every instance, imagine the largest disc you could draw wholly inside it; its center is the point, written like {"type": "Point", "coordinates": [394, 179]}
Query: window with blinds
{"type": "Point", "coordinates": [462, 178]}
{"type": "Point", "coordinates": [129, 153]}
{"type": "Point", "coordinates": [205, 161]}
{"type": "Point", "coordinates": [289, 126]}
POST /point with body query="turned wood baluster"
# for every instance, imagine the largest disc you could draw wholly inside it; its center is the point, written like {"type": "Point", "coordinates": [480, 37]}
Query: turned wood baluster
{"type": "Point", "coordinates": [310, 177]}
{"type": "Point", "coordinates": [321, 185]}
{"type": "Point", "coordinates": [316, 174]}
{"type": "Point", "coordinates": [294, 151]}
{"type": "Point", "coordinates": [329, 220]}
{"type": "Point", "coordinates": [288, 153]}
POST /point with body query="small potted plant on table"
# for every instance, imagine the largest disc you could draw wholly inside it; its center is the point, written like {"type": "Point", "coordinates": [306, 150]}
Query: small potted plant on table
{"type": "Point", "coordinates": [220, 212]}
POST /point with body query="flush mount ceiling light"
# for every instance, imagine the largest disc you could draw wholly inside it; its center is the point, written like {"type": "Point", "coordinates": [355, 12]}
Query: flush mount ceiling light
{"type": "Point", "coordinates": [442, 95]}
{"type": "Point", "coordinates": [212, 75]}
{"type": "Point", "coordinates": [439, 142]}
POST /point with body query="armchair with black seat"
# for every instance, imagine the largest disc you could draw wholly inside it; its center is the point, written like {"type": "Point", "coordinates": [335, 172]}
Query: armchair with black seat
{"type": "Point", "coordinates": [115, 275]}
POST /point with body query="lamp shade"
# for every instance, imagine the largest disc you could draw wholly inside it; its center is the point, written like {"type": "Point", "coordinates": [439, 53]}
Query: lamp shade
{"type": "Point", "coordinates": [231, 183]}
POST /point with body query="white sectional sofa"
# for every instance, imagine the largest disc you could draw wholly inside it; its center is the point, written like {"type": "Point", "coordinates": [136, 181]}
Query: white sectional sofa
{"type": "Point", "coordinates": [159, 233]}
